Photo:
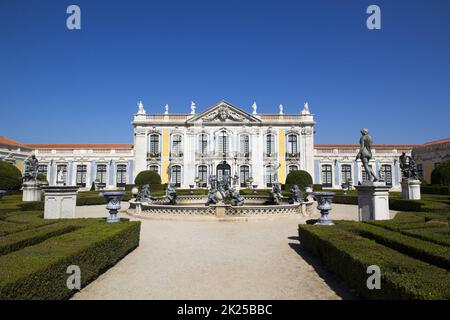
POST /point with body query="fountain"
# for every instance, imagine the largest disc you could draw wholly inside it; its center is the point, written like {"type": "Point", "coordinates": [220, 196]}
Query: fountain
{"type": "Point", "coordinates": [113, 204]}
{"type": "Point", "coordinates": [324, 200]}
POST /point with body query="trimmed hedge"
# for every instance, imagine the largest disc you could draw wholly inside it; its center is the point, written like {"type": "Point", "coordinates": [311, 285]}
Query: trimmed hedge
{"type": "Point", "coordinates": [300, 178]}
{"type": "Point", "coordinates": [39, 271]}
{"type": "Point", "coordinates": [348, 255]}
{"type": "Point", "coordinates": [423, 250]}
{"type": "Point", "coordinates": [10, 177]}
{"type": "Point", "coordinates": [435, 189]}
{"type": "Point", "coordinates": [151, 178]}
{"type": "Point", "coordinates": [441, 174]}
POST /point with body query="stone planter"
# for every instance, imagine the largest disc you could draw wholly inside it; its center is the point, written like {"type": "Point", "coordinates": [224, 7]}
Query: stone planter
{"type": "Point", "coordinates": [113, 204]}
{"type": "Point", "coordinates": [324, 200]}
{"type": "Point", "coordinates": [31, 191]}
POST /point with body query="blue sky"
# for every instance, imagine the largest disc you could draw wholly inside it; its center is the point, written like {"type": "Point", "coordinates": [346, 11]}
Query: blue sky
{"type": "Point", "coordinates": [62, 86]}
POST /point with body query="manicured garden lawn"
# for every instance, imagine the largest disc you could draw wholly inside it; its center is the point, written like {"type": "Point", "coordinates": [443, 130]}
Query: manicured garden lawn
{"type": "Point", "coordinates": [412, 250]}
{"type": "Point", "coordinates": [35, 253]}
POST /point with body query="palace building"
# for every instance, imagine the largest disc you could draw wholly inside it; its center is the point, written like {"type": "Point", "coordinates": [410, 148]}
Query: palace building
{"type": "Point", "coordinates": [185, 149]}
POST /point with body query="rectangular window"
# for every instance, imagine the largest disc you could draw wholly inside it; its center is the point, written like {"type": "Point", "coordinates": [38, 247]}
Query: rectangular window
{"type": "Point", "coordinates": [327, 176]}
{"type": "Point", "coordinates": [176, 176]}
{"type": "Point", "coordinates": [61, 178]}
{"type": "Point", "coordinates": [101, 175]}
{"type": "Point", "coordinates": [245, 144]}
{"type": "Point", "coordinates": [292, 144]}
{"type": "Point", "coordinates": [203, 143]}
{"type": "Point", "coordinates": [365, 176]}
{"type": "Point", "coordinates": [387, 173]}
{"type": "Point", "coordinates": [42, 168]}
{"type": "Point", "coordinates": [154, 144]}
{"type": "Point", "coordinates": [154, 168]}
{"type": "Point", "coordinates": [244, 175]}
{"type": "Point", "coordinates": [81, 176]}
{"type": "Point", "coordinates": [270, 176]}
{"type": "Point", "coordinates": [176, 144]}
{"type": "Point", "coordinates": [346, 173]}
{"type": "Point", "coordinates": [292, 168]}
{"type": "Point", "coordinates": [202, 176]}
{"type": "Point", "coordinates": [223, 144]}
{"type": "Point", "coordinates": [121, 177]}
{"type": "Point", "coordinates": [270, 144]}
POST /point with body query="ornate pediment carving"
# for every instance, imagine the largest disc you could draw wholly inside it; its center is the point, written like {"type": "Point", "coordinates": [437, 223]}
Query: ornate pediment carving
{"type": "Point", "coordinates": [224, 112]}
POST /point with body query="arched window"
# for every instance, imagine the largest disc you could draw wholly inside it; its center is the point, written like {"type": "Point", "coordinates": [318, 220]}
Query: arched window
{"type": "Point", "coordinates": [153, 148]}
{"type": "Point", "coordinates": [176, 145]}
{"type": "Point", "coordinates": [292, 144]}
{"type": "Point", "coordinates": [387, 173]}
{"type": "Point", "coordinates": [203, 143]}
{"type": "Point", "coordinates": [292, 168]}
{"type": "Point", "coordinates": [270, 175]}
{"type": "Point", "coordinates": [270, 144]}
{"type": "Point", "coordinates": [346, 173]}
{"type": "Point", "coordinates": [121, 175]}
{"type": "Point", "coordinates": [244, 174]}
{"type": "Point", "coordinates": [223, 143]}
{"type": "Point", "coordinates": [153, 168]}
{"type": "Point", "coordinates": [245, 144]}
{"type": "Point", "coordinates": [202, 175]}
{"type": "Point", "coordinates": [175, 176]}
{"type": "Point", "coordinates": [327, 176]}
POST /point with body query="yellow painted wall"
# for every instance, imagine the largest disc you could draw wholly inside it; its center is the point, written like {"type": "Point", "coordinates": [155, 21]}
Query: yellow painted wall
{"type": "Point", "coordinates": [281, 156]}
{"type": "Point", "coordinates": [165, 147]}
{"type": "Point", "coordinates": [427, 169]}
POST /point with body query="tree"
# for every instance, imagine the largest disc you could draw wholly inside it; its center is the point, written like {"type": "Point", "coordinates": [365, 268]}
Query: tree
{"type": "Point", "coordinates": [300, 178]}
{"type": "Point", "coordinates": [10, 176]}
{"type": "Point", "coordinates": [441, 174]}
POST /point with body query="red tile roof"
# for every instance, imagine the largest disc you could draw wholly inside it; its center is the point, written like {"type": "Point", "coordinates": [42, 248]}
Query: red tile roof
{"type": "Point", "coordinates": [436, 142]}
{"type": "Point", "coordinates": [355, 146]}
{"type": "Point", "coordinates": [9, 142]}
{"type": "Point", "coordinates": [81, 146]}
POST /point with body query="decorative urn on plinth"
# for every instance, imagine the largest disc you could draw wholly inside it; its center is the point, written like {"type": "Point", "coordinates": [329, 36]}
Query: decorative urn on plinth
{"type": "Point", "coordinates": [324, 200]}
{"type": "Point", "coordinates": [113, 204]}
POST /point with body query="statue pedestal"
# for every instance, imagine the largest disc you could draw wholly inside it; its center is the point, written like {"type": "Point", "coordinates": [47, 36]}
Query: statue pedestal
{"type": "Point", "coordinates": [373, 201]}
{"type": "Point", "coordinates": [220, 209]}
{"type": "Point", "coordinates": [31, 191]}
{"type": "Point", "coordinates": [411, 189]}
{"type": "Point", "coordinates": [60, 202]}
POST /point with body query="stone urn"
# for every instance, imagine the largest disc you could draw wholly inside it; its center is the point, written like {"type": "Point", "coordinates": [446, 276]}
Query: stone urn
{"type": "Point", "coordinates": [324, 200]}
{"type": "Point", "coordinates": [2, 193]}
{"type": "Point", "coordinates": [134, 192]}
{"type": "Point", "coordinates": [113, 204]}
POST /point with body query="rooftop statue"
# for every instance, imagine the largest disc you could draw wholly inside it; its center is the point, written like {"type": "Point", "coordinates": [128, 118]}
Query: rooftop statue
{"type": "Point", "coordinates": [31, 169]}
{"type": "Point", "coordinates": [365, 153]}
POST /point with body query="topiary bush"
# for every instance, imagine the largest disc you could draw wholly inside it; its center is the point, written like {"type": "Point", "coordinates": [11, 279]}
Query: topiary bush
{"type": "Point", "coordinates": [41, 177]}
{"type": "Point", "coordinates": [10, 177]}
{"type": "Point", "coordinates": [299, 177]}
{"type": "Point", "coordinates": [151, 178]}
{"type": "Point", "coordinates": [441, 174]}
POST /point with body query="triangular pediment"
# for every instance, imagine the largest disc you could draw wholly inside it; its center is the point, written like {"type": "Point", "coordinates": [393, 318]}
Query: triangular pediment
{"type": "Point", "coordinates": [224, 112]}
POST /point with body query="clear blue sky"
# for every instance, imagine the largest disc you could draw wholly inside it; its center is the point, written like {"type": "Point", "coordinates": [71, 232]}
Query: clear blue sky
{"type": "Point", "coordinates": [62, 86]}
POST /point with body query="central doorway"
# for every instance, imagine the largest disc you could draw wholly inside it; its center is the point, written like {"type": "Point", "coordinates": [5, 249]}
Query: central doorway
{"type": "Point", "coordinates": [223, 169]}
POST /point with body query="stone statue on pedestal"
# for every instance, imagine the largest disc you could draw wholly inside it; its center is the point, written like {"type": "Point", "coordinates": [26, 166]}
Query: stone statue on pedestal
{"type": "Point", "coordinates": [275, 194]}
{"type": "Point", "coordinates": [365, 153]}
{"type": "Point", "coordinates": [408, 167]}
{"type": "Point", "coordinates": [236, 198]}
{"type": "Point", "coordinates": [144, 195]}
{"type": "Point", "coordinates": [31, 169]}
{"type": "Point", "coordinates": [296, 196]}
{"type": "Point", "coordinates": [171, 194]}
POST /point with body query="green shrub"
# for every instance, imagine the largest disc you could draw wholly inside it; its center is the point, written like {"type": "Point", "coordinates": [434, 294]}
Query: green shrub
{"type": "Point", "coordinates": [10, 177]}
{"type": "Point", "coordinates": [348, 255]}
{"type": "Point", "coordinates": [441, 174]}
{"type": "Point", "coordinates": [345, 199]}
{"type": "Point", "coordinates": [423, 250]}
{"type": "Point", "coordinates": [317, 187]}
{"type": "Point", "coordinates": [149, 177]}
{"type": "Point", "coordinates": [300, 178]}
{"type": "Point", "coordinates": [435, 189]}
{"type": "Point", "coordinates": [41, 177]}
{"type": "Point", "coordinates": [32, 205]}
{"type": "Point", "coordinates": [39, 271]}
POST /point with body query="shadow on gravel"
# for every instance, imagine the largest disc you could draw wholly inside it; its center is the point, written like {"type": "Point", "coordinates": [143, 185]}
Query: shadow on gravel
{"type": "Point", "coordinates": [336, 284]}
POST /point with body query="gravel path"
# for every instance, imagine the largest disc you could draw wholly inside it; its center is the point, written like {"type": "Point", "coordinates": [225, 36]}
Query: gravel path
{"type": "Point", "coordinates": [253, 259]}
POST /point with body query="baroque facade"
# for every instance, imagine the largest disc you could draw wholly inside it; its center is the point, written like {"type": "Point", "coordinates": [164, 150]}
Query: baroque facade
{"type": "Point", "coordinates": [185, 149]}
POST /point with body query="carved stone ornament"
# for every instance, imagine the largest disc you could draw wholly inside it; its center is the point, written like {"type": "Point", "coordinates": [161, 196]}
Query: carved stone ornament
{"type": "Point", "coordinates": [223, 113]}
